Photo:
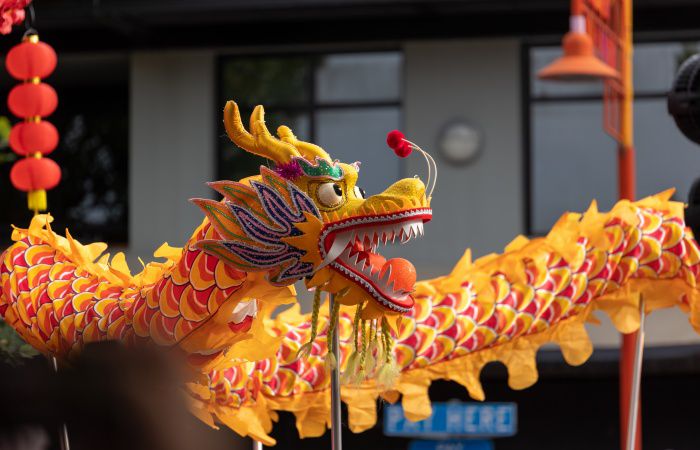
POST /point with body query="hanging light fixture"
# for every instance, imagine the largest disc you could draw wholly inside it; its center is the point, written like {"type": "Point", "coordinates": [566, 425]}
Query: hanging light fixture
{"type": "Point", "coordinates": [579, 62]}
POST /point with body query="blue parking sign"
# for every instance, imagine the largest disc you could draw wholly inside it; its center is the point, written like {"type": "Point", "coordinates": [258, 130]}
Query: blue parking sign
{"type": "Point", "coordinates": [455, 419]}
{"type": "Point", "coordinates": [452, 444]}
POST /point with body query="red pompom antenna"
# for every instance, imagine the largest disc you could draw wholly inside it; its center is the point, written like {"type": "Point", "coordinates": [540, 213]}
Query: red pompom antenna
{"type": "Point", "coordinates": [397, 142]}
{"type": "Point", "coordinates": [403, 147]}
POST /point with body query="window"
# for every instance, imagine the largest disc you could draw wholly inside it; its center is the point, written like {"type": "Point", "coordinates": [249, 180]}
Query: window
{"type": "Point", "coordinates": [344, 102]}
{"type": "Point", "coordinates": [92, 120]}
{"type": "Point", "coordinates": [573, 161]}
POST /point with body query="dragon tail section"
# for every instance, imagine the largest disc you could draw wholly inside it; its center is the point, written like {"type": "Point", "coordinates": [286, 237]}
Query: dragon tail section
{"type": "Point", "coordinates": [50, 286]}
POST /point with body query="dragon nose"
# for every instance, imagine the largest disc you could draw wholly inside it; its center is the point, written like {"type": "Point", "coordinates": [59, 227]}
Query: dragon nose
{"type": "Point", "coordinates": [406, 193]}
{"type": "Point", "coordinates": [408, 187]}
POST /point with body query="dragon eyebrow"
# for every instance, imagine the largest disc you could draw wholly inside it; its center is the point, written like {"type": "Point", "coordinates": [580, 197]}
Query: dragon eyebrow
{"type": "Point", "coordinates": [321, 168]}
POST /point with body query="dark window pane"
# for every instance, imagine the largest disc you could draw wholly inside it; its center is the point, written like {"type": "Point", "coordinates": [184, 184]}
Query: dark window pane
{"type": "Point", "coordinates": [573, 161]}
{"type": "Point", "coordinates": [92, 119]}
{"type": "Point", "coordinates": [266, 81]}
{"type": "Point", "coordinates": [359, 77]}
{"type": "Point", "coordinates": [665, 158]}
{"type": "Point", "coordinates": [359, 134]}
{"type": "Point", "coordinates": [282, 85]}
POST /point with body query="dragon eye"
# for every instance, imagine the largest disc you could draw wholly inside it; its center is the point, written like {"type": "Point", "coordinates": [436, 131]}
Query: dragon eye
{"type": "Point", "coordinates": [359, 192]}
{"type": "Point", "coordinates": [330, 194]}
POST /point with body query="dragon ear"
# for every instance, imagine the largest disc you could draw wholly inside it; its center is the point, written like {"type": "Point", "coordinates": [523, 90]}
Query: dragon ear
{"type": "Point", "coordinates": [252, 223]}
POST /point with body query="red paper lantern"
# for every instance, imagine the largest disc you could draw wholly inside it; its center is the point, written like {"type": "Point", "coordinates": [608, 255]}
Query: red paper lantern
{"type": "Point", "coordinates": [32, 100]}
{"type": "Point", "coordinates": [27, 138]}
{"type": "Point", "coordinates": [31, 59]}
{"type": "Point", "coordinates": [35, 174]}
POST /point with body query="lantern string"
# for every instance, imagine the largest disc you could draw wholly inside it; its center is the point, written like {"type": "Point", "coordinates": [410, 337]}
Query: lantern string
{"type": "Point", "coordinates": [30, 21]}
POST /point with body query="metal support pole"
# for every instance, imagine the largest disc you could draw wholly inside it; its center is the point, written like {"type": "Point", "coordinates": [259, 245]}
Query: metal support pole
{"type": "Point", "coordinates": [257, 445]}
{"type": "Point", "coordinates": [629, 341]}
{"type": "Point", "coordinates": [336, 426]}
{"type": "Point", "coordinates": [636, 381]}
{"type": "Point", "coordinates": [63, 430]}
{"type": "Point", "coordinates": [627, 185]}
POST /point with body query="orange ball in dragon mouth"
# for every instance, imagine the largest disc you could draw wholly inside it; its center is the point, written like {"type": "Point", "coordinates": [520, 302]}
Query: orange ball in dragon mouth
{"type": "Point", "coordinates": [403, 274]}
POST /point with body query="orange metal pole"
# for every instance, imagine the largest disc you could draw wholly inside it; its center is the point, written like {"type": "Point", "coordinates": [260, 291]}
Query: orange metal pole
{"type": "Point", "coordinates": [626, 187]}
{"type": "Point", "coordinates": [576, 7]}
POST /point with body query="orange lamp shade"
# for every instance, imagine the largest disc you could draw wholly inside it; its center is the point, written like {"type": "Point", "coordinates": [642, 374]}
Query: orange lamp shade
{"type": "Point", "coordinates": [27, 138]}
{"type": "Point", "coordinates": [31, 100]}
{"type": "Point", "coordinates": [31, 60]}
{"type": "Point", "coordinates": [579, 62]}
{"type": "Point", "coordinates": [33, 174]}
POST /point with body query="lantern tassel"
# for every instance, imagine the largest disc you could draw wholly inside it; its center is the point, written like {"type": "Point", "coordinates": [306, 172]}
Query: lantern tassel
{"type": "Point", "coordinates": [36, 200]}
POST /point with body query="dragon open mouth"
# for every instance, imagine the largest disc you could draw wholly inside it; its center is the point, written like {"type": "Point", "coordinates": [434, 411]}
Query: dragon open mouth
{"type": "Point", "coordinates": [349, 246]}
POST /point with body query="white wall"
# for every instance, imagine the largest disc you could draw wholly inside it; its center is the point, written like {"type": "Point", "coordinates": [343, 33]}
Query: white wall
{"type": "Point", "coordinates": [171, 151]}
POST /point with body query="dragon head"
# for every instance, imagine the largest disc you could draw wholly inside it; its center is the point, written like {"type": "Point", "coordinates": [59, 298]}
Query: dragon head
{"type": "Point", "coordinates": [307, 218]}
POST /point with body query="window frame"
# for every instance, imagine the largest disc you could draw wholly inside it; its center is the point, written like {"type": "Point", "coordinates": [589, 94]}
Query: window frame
{"type": "Point", "coordinates": [312, 106]}
{"type": "Point", "coordinates": [528, 100]}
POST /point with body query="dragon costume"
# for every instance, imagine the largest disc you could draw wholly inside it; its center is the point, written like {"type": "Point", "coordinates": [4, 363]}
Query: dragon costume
{"type": "Point", "coordinates": [305, 218]}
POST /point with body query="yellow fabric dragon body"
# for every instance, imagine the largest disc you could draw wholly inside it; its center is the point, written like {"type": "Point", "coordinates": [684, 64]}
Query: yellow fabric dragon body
{"type": "Point", "coordinates": [306, 219]}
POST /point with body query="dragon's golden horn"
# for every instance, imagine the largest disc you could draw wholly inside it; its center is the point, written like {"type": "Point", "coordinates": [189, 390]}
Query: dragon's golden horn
{"type": "Point", "coordinates": [308, 151]}
{"type": "Point", "coordinates": [260, 142]}
{"type": "Point", "coordinates": [272, 147]}
{"type": "Point", "coordinates": [234, 127]}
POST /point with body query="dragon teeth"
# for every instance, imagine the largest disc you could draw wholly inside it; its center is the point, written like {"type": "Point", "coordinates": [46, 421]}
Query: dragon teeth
{"type": "Point", "coordinates": [387, 275]}
{"type": "Point", "coordinates": [357, 258]}
{"type": "Point", "coordinates": [383, 282]}
{"type": "Point", "coordinates": [370, 238]}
